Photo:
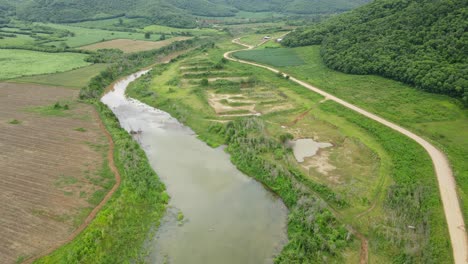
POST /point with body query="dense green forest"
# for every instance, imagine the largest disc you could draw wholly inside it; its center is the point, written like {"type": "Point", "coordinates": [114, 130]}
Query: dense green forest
{"type": "Point", "coordinates": [6, 10]}
{"type": "Point", "coordinates": [423, 43]}
{"type": "Point", "coordinates": [180, 13]}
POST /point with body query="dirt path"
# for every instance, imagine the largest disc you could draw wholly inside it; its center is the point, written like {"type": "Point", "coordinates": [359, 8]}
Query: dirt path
{"type": "Point", "coordinates": [92, 215]}
{"type": "Point", "coordinates": [447, 186]}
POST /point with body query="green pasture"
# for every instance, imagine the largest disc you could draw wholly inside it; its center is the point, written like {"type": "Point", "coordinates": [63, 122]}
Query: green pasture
{"type": "Point", "coordinates": [16, 63]}
{"type": "Point", "coordinates": [74, 78]}
{"type": "Point", "coordinates": [277, 57]}
{"type": "Point", "coordinates": [85, 36]}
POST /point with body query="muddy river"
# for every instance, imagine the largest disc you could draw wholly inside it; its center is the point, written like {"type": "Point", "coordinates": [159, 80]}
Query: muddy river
{"type": "Point", "coordinates": [216, 214]}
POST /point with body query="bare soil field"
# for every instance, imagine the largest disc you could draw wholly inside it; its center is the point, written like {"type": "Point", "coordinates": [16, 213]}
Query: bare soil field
{"type": "Point", "coordinates": [128, 46]}
{"type": "Point", "coordinates": [51, 168]}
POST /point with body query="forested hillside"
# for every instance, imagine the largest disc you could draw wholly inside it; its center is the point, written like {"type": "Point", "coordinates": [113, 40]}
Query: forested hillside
{"type": "Point", "coordinates": [180, 13]}
{"type": "Point", "coordinates": [294, 6]}
{"type": "Point", "coordinates": [422, 42]}
{"type": "Point", "coordinates": [5, 11]}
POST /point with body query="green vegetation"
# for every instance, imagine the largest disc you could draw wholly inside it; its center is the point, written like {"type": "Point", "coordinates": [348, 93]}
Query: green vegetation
{"type": "Point", "coordinates": [80, 36]}
{"type": "Point", "coordinates": [16, 63]}
{"type": "Point", "coordinates": [117, 233]}
{"type": "Point", "coordinates": [309, 241]}
{"type": "Point", "coordinates": [422, 43]}
{"type": "Point", "coordinates": [296, 6]}
{"type": "Point", "coordinates": [14, 122]}
{"type": "Point", "coordinates": [385, 203]}
{"type": "Point", "coordinates": [57, 109]}
{"type": "Point", "coordinates": [275, 57]}
{"type": "Point", "coordinates": [74, 79]}
{"type": "Point", "coordinates": [159, 29]}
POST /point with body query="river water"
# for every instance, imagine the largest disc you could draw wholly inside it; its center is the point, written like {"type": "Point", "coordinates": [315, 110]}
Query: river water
{"type": "Point", "coordinates": [216, 214]}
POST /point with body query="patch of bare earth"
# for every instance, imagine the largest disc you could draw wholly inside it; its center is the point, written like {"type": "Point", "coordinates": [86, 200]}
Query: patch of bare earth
{"type": "Point", "coordinates": [128, 45]}
{"type": "Point", "coordinates": [220, 103]}
{"type": "Point", "coordinates": [47, 168]}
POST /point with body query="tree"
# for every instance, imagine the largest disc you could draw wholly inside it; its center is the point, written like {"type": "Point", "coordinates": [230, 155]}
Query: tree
{"type": "Point", "coordinates": [147, 35]}
{"type": "Point", "coordinates": [163, 37]}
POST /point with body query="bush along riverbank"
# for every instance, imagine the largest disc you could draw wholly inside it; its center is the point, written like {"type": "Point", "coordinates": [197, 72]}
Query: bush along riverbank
{"type": "Point", "coordinates": [118, 232]}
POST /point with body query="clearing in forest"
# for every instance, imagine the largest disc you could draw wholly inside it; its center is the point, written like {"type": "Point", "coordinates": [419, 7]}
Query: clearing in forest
{"type": "Point", "coordinates": [128, 45]}
{"type": "Point", "coordinates": [53, 164]}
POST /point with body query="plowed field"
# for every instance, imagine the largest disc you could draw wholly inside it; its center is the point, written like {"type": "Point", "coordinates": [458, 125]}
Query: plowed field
{"type": "Point", "coordinates": [50, 168]}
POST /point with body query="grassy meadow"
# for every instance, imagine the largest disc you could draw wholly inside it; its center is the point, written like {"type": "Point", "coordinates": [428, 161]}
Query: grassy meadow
{"type": "Point", "coordinates": [16, 63]}
{"type": "Point", "coordinates": [74, 79]}
{"type": "Point", "coordinates": [275, 57]}
{"type": "Point", "coordinates": [159, 29]}
{"type": "Point", "coordinates": [85, 36]}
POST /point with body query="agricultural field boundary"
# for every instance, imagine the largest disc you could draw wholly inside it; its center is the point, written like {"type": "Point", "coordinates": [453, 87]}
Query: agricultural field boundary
{"type": "Point", "coordinates": [95, 211]}
{"type": "Point", "coordinates": [446, 181]}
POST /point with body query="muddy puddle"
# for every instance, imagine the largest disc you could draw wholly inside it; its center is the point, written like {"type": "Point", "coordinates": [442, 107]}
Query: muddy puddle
{"type": "Point", "coordinates": [216, 214]}
{"type": "Point", "coordinates": [304, 148]}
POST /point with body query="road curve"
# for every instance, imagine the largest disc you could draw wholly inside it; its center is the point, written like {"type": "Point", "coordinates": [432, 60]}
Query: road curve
{"type": "Point", "coordinates": [447, 186]}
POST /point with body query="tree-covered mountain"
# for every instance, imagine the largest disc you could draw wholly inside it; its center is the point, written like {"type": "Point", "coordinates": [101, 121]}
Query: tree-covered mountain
{"type": "Point", "coordinates": [169, 12]}
{"type": "Point", "coordinates": [420, 42]}
{"type": "Point", "coordinates": [6, 10]}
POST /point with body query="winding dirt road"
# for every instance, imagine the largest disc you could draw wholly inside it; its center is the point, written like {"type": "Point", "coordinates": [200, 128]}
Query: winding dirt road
{"type": "Point", "coordinates": [447, 186]}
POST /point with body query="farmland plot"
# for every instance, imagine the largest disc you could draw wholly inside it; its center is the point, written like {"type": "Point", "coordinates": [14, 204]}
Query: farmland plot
{"type": "Point", "coordinates": [53, 167]}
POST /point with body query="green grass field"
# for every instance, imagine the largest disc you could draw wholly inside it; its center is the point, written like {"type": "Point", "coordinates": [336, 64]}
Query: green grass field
{"type": "Point", "coordinates": [255, 39]}
{"type": "Point", "coordinates": [19, 40]}
{"type": "Point", "coordinates": [16, 63]}
{"type": "Point", "coordinates": [85, 36]}
{"type": "Point", "coordinates": [438, 118]}
{"type": "Point", "coordinates": [275, 57]}
{"type": "Point", "coordinates": [170, 30]}
{"type": "Point", "coordinates": [74, 78]}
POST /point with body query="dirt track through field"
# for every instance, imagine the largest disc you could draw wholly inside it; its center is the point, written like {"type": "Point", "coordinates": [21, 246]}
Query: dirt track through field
{"type": "Point", "coordinates": [447, 186]}
{"type": "Point", "coordinates": [49, 168]}
{"type": "Point", "coordinates": [92, 215]}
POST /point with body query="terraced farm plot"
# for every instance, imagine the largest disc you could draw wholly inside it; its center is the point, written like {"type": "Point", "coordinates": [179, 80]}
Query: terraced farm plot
{"type": "Point", "coordinates": [249, 101]}
{"type": "Point", "coordinates": [53, 168]}
{"type": "Point", "coordinates": [16, 63]}
{"type": "Point", "coordinates": [228, 92]}
{"type": "Point", "coordinates": [128, 45]}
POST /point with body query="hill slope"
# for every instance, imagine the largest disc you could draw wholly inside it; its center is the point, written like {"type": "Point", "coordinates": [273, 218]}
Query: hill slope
{"type": "Point", "coordinates": [175, 12]}
{"type": "Point", "coordinates": [423, 43]}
